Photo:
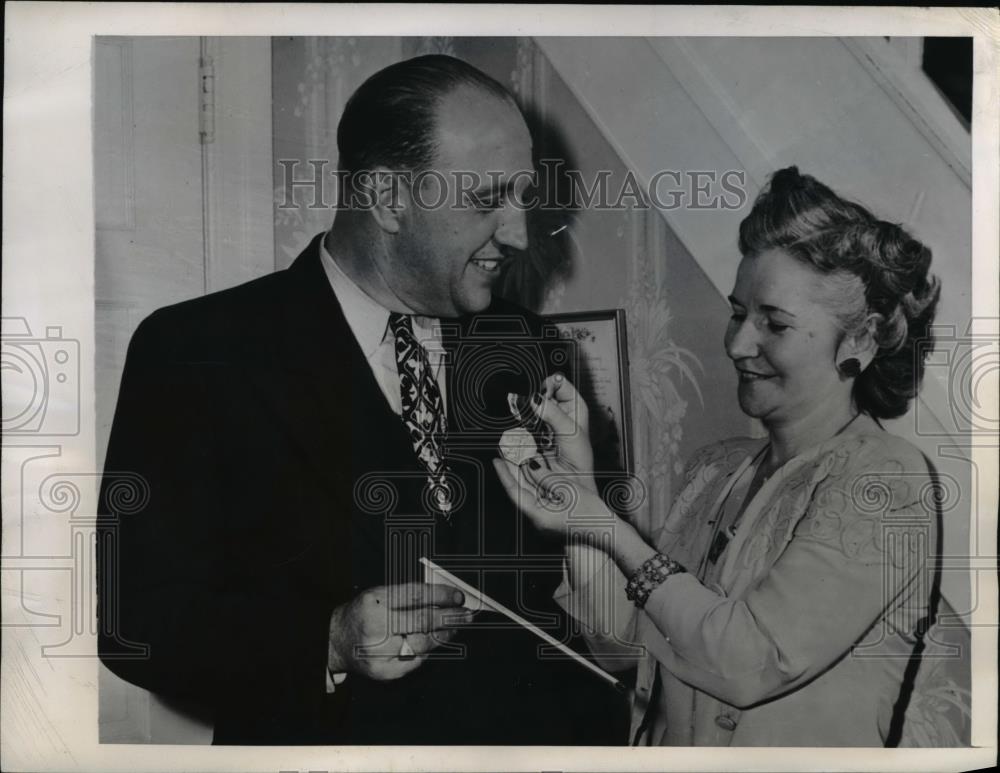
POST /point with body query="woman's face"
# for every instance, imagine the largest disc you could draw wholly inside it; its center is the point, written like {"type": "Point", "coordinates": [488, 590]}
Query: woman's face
{"type": "Point", "coordinates": [783, 341]}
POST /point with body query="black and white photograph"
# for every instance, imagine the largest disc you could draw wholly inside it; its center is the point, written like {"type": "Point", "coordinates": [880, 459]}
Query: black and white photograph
{"type": "Point", "coordinates": [529, 396]}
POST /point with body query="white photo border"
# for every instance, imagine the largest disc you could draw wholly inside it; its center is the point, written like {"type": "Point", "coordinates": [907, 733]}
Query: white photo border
{"type": "Point", "coordinates": [49, 709]}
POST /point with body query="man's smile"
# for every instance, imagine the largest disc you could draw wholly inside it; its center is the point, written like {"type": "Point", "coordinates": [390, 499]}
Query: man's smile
{"type": "Point", "coordinates": [488, 265]}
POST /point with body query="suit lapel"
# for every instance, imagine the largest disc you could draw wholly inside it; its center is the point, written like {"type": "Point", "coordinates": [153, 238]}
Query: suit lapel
{"type": "Point", "coordinates": [316, 381]}
{"type": "Point", "coordinates": [316, 385]}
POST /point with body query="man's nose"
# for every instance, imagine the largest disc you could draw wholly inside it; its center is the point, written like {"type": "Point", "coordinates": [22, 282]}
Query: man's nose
{"type": "Point", "coordinates": [513, 228]}
{"type": "Point", "coordinates": [741, 339]}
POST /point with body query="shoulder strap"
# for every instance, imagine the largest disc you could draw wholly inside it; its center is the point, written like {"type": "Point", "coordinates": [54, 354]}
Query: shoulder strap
{"type": "Point", "coordinates": [895, 733]}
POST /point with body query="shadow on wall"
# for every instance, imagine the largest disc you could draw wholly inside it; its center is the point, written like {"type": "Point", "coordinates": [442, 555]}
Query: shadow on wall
{"type": "Point", "coordinates": [548, 259]}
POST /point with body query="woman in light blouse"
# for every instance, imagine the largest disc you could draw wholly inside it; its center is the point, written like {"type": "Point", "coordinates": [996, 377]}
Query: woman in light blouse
{"type": "Point", "coordinates": [784, 599]}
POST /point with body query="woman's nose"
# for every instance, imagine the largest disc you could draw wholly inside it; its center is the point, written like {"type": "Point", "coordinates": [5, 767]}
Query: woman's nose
{"type": "Point", "coordinates": [741, 339]}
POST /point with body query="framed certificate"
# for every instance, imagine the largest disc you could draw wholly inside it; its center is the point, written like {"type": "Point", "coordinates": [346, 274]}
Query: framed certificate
{"type": "Point", "coordinates": [602, 380]}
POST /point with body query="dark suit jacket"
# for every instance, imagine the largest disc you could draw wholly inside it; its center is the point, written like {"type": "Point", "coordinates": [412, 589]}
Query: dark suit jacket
{"type": "Point", "coordinates": [276, 483]}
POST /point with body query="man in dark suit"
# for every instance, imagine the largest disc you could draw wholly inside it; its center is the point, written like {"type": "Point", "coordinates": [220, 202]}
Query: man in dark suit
{"type": "Point", "coordinates": [306, 437]}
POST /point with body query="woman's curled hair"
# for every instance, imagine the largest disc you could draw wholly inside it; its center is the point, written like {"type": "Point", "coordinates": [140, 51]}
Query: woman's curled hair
{"type": "Point", "coordinates": [873, 267]}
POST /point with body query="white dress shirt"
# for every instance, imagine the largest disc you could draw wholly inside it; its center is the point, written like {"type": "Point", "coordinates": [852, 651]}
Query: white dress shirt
{"type": "Point", "coordinates": [369, 322]}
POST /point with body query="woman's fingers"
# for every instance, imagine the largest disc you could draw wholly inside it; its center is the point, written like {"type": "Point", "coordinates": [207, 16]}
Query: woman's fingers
{"type": "Point", "coordinates": [554, 485]}
{"type": "Point", "coordinates": [527, 497]}
{"type": "Point", "coordinates": [533, 470]}
{"type": "Point", "coordinates": [559, 389]}
{"type": "Point", "coordinates": [508, 475]}
{"type": "Point", "coordinates": [522, 491]}
{"type": "Point", "coordinates": [543, 470]}
{"type": "Point", "coordinates": [560, 406]}
{"type": "Point", "coordinates": [507, 479]}
{"type": "Point", "coordinates": [561, 418]}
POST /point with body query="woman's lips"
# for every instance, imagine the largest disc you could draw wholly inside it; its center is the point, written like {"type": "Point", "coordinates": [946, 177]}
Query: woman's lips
{"type": "Point", "coordinates": [748, 375]}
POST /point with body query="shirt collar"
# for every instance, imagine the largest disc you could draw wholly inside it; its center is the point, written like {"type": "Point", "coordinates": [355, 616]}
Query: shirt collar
{"type": "Point", "coordinates": [367, 318]}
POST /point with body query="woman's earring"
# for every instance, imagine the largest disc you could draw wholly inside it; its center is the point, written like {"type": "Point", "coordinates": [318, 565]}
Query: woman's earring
{"type": "Point", "coordinates": [850, 368]}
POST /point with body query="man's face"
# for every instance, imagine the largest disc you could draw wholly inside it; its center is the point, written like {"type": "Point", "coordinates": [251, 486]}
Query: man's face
{"type": "Point", "coordinates": [463, 219]}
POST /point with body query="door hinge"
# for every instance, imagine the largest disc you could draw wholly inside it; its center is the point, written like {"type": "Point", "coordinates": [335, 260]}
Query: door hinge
{"type": "Point", "coordinates": [206, 112]}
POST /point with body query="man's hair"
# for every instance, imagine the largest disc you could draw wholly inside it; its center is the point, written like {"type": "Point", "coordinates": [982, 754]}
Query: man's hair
{"type": "Point", "coordinates": [390, 120]}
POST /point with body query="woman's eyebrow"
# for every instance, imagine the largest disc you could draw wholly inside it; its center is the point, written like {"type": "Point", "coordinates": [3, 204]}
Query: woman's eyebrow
{"type": "Point", "coordinates": [765, 307]}
{"type": "Point", "coordinates": [769, 307]}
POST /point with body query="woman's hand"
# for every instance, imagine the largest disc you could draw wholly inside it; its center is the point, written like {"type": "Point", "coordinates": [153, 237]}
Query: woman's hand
{"type": "Point", "coordinates": [552, 494]}
{"type": "Point", "coordinates": [565, 412]}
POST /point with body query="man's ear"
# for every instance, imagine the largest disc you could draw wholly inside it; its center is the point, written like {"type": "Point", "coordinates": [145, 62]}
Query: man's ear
{"type": "Point", "coordinates": [861, 346]}
{"type": "Point", "coordinates": [388, 197]}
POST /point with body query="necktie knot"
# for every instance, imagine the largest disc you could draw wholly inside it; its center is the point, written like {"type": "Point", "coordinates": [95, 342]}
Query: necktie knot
{"type": "Point", "coordinates": [401, 325]}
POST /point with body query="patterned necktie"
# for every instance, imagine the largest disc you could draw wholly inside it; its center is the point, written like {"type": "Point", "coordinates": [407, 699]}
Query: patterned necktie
{"type": "Point", "coordinates": [423, 410]}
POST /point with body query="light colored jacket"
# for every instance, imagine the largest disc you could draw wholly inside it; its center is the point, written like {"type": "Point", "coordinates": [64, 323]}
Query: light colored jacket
{"type": "Point", "coordinates": [805, 636]}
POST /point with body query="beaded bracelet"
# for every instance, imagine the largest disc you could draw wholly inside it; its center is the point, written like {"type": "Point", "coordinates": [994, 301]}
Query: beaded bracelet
{"type": "Point", "coordinates": [648, 576]}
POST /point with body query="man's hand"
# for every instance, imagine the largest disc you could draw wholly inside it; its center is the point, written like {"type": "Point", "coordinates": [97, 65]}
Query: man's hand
{"type": "Point", "coordinates": [366, 634]}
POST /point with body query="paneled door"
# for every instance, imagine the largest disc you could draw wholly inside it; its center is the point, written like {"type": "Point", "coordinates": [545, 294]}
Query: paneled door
{"type": "Point", "coordinates": [183, 200]}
